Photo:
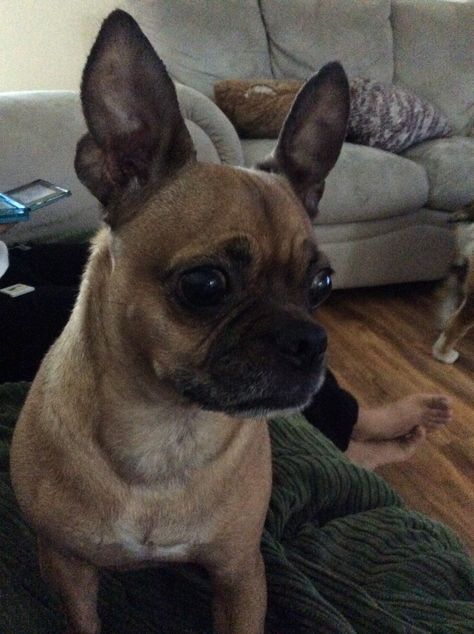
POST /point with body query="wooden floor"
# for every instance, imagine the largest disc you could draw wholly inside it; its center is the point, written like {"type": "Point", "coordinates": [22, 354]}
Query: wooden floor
{"type": "Point", "coordinates": [380, 349]}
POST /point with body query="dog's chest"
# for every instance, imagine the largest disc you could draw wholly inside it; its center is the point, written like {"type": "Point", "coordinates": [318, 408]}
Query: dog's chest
{"type": "Point", "coordinates": [150, 530]}
{"type": "Point", "coordinates": [145, 548]}
{"type": "Point", "coordinates": [127, 545]}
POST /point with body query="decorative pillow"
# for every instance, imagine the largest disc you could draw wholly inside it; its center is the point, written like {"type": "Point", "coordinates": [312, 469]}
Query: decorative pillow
{"type": "Point", "coordinates": [382, 115]}
{"type": "Point", "coordinates": [391, 118]}
{"type": "Point", "coordinates": [257, 108]}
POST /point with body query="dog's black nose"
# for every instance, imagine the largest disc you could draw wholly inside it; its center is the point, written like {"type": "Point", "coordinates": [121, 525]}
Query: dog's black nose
{"type": "Point", "coordinates": [301, 342]}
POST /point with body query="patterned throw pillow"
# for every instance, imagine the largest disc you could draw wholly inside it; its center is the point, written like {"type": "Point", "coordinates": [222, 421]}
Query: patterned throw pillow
{"type": "Point", "coordinates": [382, 115]}
{"type": "Point", "coordinates": [391, 118]}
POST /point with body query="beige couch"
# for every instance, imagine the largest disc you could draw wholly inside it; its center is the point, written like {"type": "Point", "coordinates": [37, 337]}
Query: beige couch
{"type": "Point", "coordinates": [383, 216]}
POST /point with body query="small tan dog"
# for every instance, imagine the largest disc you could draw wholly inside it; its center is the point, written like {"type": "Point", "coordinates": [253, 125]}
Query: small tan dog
{"type": "Point", "coordinates": [143, 438]}
{"type": "Point", "coordinates": [458, 305]}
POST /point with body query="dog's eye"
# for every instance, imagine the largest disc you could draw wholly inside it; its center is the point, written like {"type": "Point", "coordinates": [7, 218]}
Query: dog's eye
{"type": "Point", "coordinates": [320, 288]}
{"type": "Point", "coordinates": [203, 286]}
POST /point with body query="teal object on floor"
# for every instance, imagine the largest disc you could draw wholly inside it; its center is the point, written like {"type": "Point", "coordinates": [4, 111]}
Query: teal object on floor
{"type": "Point", "coordinates": [342, 553]}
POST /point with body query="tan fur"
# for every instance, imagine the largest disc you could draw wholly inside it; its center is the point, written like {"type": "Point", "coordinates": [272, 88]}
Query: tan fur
{"type": "Point", "coordinates": [109, 466]}
{"type": "Point", "coordinates": [459, 290]}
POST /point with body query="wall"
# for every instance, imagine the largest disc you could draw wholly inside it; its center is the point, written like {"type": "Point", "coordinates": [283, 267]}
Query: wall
{"type": "Point", "coordinates": [44, 43]}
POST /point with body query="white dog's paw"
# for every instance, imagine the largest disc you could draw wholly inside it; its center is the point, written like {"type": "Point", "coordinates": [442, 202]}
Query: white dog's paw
{"type": "Point", "coordinates": [450, 356]}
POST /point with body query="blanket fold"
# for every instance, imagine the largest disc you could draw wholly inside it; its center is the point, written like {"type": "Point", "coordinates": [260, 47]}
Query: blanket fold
{"type": "Point", "coordinates": [342, 555]}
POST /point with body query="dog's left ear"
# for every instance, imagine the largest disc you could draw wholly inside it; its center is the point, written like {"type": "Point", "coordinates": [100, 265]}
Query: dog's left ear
{"type": "Point", "coordinates": [132, 113]}
{"type": "Point", "coordinates": [312, 135]}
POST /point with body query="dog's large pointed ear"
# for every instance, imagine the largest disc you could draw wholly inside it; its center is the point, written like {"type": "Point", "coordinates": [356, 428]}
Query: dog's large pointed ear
{"type": "Point", "coordinates": [131, 111]}
{"type": "Point", "coordinates": [312, 135]}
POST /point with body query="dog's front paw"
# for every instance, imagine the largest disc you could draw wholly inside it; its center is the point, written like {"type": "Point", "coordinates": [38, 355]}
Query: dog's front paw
{"type": "Point", "coordinates": [441, 354]}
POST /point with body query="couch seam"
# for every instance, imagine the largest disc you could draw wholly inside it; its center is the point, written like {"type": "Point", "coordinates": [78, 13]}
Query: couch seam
{"type": "Point", "coordinates": [267, 36]}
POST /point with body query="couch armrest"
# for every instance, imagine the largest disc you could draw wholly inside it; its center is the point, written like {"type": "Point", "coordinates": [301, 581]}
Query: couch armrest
{"type": "Point", "coordinates": [39, 131]}
{"type": "Point", "coordinates": [434, 52]}
{"type": "Point", "coordinates": [203, 112]}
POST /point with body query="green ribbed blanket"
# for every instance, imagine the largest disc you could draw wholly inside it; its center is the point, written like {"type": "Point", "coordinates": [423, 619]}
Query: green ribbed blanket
{"type": "Point", "coordinates": [342, 555]}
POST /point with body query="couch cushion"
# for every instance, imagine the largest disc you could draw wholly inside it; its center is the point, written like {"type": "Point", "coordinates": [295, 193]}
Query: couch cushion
{"type": "Point", "coordinates": [202, 42]}
{"type": "Point", "coordinates": [449, 164]}
{"type": "Point", "coordinates": [388, 251]}
{"type": "Point", "coordinates": [304, 35]}
{"type": "Point", "coordinates": [366, 183]}
{"type": "Point", "coordinates": [434, 53]}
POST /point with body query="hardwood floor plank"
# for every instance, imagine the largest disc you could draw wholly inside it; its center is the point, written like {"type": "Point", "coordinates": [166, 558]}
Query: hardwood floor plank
{"type": "Point", "coordinates": [380, 349]}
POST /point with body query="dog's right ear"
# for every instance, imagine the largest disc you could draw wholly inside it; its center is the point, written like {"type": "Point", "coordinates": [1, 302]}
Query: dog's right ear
{"type": "Point", "coordinates": [312, 135]}
{"type": "Point", "coordinates": [132, 113]}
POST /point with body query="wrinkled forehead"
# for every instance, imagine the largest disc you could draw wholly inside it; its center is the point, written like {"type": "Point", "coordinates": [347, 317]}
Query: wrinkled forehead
{"type": "Point", "coordinates": [213, 204]}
